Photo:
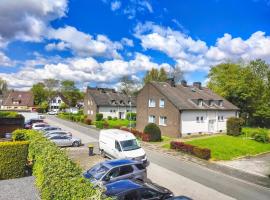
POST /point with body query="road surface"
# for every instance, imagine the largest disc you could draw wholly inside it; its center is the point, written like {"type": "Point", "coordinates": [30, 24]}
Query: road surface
{"type": "Point", "coordinates": [181, 177]}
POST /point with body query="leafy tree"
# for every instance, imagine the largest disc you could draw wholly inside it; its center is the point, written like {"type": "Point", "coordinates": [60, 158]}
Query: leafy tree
{"type": "Point", "coordinates": [177, 74]}
{"type": "Point", "coordinates": [44, 106]}
{"type": "Point", "coordinates": [70, 92]}
{"type": "Point", "coordinates": [51, 85]}
{"type": "Point", "coordinates": [155, 75]}
{"type": "Point", "coordinates": [63, 106]}
{"type": "Point", "coordinates": [3, 86]}
{"type": "Point", "coordinates": [40, 93]}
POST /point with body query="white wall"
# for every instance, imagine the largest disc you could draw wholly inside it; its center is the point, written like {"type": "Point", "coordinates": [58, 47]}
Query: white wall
{"type": "Point", "coordinates": [189, 123]}
{"type": "Point", "coordinates": [56, 99]}
{"type": "Point", "coordinates": [106, 111]}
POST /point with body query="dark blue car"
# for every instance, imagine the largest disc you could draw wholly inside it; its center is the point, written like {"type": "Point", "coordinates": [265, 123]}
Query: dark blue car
{"type": "Point", "coordinates": [136, 190]}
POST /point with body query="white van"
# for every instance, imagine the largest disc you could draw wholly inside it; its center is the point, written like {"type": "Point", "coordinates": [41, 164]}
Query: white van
{"type": "Point", "coordinates": [117, 144]}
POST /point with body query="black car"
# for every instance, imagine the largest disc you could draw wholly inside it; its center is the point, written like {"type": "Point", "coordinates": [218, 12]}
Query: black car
{"type": "Point", "coordinates": [28, 124]}
{"type": "Point", "coordinates": [136, 190]}
{"type": "Point", "coordinates": [179, 198]}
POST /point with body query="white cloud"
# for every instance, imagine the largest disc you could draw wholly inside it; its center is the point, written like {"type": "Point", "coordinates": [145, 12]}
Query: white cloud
{"type": "Point", "coordinates": [193, 54]}
{"type": "Point", "coordinates": [27, 20]}
{"type": "Point", "coordinates": [127, 42]}
{"type": "Point", "coordinates": [80, 70]}
{"type": "Point", "coordinates": [5, 61]}
{"type": "Point", "coordinates": [82, 44]}
{"type": "Point", "coordinates": [115, 5]}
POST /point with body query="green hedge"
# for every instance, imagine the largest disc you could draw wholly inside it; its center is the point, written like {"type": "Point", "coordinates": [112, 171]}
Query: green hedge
{"type": "Point", "coordinates": [13, 158]}
{"type": "Point", "coordinates": [99, 116]}
{"type": "Point", "coordinates": [131, 116]}
{"type": "Point", "coordinates": [8, 114]}
{"type": "Point", "coordinates": [57, 177]}
{"type": "Point", "coordinates": [258, 134]}
{"type": "Point", "coordinates": [234, 126]}
{"type": "Point", "coordinates": [153, 131]}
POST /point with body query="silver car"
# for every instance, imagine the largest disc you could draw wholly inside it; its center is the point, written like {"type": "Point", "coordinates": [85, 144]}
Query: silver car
{"type": "Point", "coordinates": [57, 132]}
{"type": "Point", "coordinates": [114, 170]}
{"type": "Point", "coordinates": [50, 128]}
{"type": "Point", "coordinates": [64, 140]}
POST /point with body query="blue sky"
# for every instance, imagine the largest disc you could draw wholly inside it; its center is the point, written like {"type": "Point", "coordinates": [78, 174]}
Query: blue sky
{"type": "Point", "coordinates": [96, 42]}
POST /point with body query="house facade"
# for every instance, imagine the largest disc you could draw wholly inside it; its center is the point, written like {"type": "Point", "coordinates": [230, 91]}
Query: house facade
{"type": "Point", "coordinates": [56, 101]}
{"type": "Point", "coordinates": [18, 101]}
{"type": "Point", "coordinates": [181, 110]}
{"type": "Point", "coordinates": [108, 102]}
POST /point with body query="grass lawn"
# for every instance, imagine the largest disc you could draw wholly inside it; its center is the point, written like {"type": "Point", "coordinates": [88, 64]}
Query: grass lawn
{"type": "Point", "coordinates": [247, 131]}
{"type": "Point", "coordinates": [119, 122]}
{"type": "Point", "coordinates": [228, 147]}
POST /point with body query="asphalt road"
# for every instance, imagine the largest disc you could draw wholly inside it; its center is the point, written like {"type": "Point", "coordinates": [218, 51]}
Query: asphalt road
{"type": "Point", "coordinates": [222, 183]}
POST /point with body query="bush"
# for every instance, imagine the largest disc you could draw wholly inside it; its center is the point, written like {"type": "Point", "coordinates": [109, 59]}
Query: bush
{"type": "Point", "coordinates": [88, 121]}
{"type": "Point", "coordinates": [13, 158]}
{"type": "Point", "coordinates": [153, 131]}
{"type": "Point", "coordinates": [106, 125]}
{"type": "Point", "coordinates": [115, 118]}
{"type": "Point", "coordinates": [57, 177]}
{"type": "Point", "coordinates": [131, 116]}
{"type": "Point", "coordinates": [109, 117]}
{"type": "Point", "coordinates": [99, 124]}
{"type": "Point", "coordinates": [99, 116]}
{"type": "Point", "coordinates": [7, 114]}
{"type": "Point", "coordinates": [19, 135]}
{"type": "Point", "coordinates": [234, 126]}
{"type": "Point", "coordinates": [202, 153]}
{"type": "Point", "coordinates": [261, 137]}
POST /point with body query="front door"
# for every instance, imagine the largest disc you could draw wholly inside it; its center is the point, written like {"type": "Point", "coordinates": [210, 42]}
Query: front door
{"type": "Point", "coordinates": [121, 115]}
{"type": "Point", "coordinates": [211, 126]}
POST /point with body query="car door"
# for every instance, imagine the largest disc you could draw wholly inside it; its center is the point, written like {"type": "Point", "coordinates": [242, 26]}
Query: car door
{"type": "Point", "coordinates": [57, 140]}
{"type": "Point", "coordinates": [117, 150]}
{"type": "Point", "coordinates": [66, 140]}
{"type": "Point", "coordinates": [112, 175]}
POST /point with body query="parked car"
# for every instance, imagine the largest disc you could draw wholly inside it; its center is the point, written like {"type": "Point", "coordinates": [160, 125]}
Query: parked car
{"type": "Point", "coordinates": [119, 144]}
{"type": "Point", "coordinates": [136, 190]}
{"type": "Point", "coordinates": [28, 124]}
{"type": "Point", "coordinates": [65, 140]}
{"type": "Point", "coordinates": [113, 170]}
{"type": "Point", "coordinates": [39, 125]}
{"type": "Point", "coordinates": [52, 112]}
{"type": "Point", "coordinates": [57, 132]}
{"type": "Point", "coordinates": [50, 128]}
{"type": "Point", "coordinates": [179, 198]}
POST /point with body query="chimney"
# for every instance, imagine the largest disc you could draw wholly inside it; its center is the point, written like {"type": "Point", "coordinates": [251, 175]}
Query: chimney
{"type": "Point", "coordinates": [184, 83]}
{"type": "Point", "coordinates": [171, 82]}
{"type": "Point", "coordinates": [197, 85]}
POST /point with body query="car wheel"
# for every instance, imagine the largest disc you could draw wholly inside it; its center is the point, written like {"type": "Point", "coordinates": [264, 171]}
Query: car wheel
{"type": "Point", "coordinates": [76, 144]}
{"type": "Point", "coordinates": [102, 153]}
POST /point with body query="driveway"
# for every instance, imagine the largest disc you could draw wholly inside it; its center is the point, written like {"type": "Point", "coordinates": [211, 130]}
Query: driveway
{"type": "Point", "coordinates": [183, 177]}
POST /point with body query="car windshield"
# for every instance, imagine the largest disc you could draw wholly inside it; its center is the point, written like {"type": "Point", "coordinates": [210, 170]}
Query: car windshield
{"type": "Point", "coordinates": [128, 145]}
{"type": "Point", "coordinates": [98, 171]}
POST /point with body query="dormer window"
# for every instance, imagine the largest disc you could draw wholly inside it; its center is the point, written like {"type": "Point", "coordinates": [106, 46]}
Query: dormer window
{"type": "Point", "coordinates": [113, 102]}
{"type": "Point", "coordinates": [200, 102]}
{"type": "Point", "coordinates": [211, 102]}
{"type": "Point", "coordinates": [220, 103]}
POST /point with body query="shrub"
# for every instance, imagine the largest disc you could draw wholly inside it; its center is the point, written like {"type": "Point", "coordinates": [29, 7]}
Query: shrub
{"type": "Point", "coordinates": [19, 135]}
{"type": "Point", "coordinates": [99, 124]}
{"type": "Point", "coordinates": [109, 117]}
{"type": "Point", "coordinates": [7, 114]}
{"type": "Point", "coordinates": [234, 126]}
{"type": "Point", "coordinates": [106, 125]}
{"type": "Point", "coordinates": [261, 137]}
{"type": "Point", "coordinates": [13, 157]}
{"type": "Point", "coordinates": [115, 118]}
{"type": "Point", "coordinates": [153, 131]}
{"type": "Point", "coordinates": [202, 153]}
{"type": "Point", "coordinates": [88, 121]}
{"type": "Point", "coordinates": [99, 116]}
{"type": "Point", "coordinates": [131, 116]}
{"type": "Point", "coordinates": [57, 177]}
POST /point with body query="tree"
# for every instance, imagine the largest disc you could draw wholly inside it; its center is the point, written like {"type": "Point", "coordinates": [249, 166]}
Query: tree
{"type": "Point", "coordinates": [63, 106]}
{"type": "Point", "coordinates": [177, 74]}
{"type": "Point", "coordinates": [40, 93]}
{"type": "Point", "coordinates": [155, 75]}
{"type": "Point", "coordinates": [44, 106]}
{"type": "Point", "coordinates": [128, 85]}
{"type": "Point", "coordinates": [70, 92]}
{"type": "Point", "coordinates": [3, 86]}
{"type": "Point", "coordinates": [246, 86]}
{"type": "Point", "coordinates": [51, 85]}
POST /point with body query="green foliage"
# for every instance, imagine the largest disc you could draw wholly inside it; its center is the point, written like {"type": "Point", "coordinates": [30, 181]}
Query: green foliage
{"type": "Point", "coordinates": [13, 157]}
{"type": "Point", "coordinates": [155, 75]}
{"type": "Point", "coordinates": [99, 116]}
{"type": "Point", "coordinates": [227, 147]}
{"type": "Point", "coordinates": [153, 131]}
{"type": "Point", "coordinates": [109, 117]}
{"type": "Point", "coordinates": [247, 86]}
{"type": "Point", "coordinates": [57, 177]}
{"type": "Point", "coordinates": [99, 124]}
{"type": "Point", "coordinates": [234, 126]}
{"type": "Point", "coordinates": [119, 122]}
{"type": "Point", "coordinates": [70, 92]}
{"type": "Point", "coordinates": [115, 118]}
{"type": "Point", "coordinates": [40, 93]}
{"type": "Point", "coordinates": [87, 121]}
{"type": "Point", "coordinates": [258, 134]}
{"type": "Point", "coordinates": [131, 116]}
{"type": "Point", "coordinates": [7, 114]}
{"type": "Point", "coordinates": [63, 106]}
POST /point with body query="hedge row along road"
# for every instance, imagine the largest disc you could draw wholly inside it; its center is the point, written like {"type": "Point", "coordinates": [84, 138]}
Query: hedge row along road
{"type": "Point", "coordinates": [182, 177]}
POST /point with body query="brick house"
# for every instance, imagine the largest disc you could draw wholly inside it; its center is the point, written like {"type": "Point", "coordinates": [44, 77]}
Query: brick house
{"type": "Point", "coordinates": [182, 109]}
{"type": "Point", "coordinates": [108, 102]}
{"type": "Point", "coordinates": [18, 101]}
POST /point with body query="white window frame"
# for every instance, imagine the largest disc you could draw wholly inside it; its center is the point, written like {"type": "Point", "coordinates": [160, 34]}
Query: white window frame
{"type": "Point", "coordinates": [201, 119]}
{"type": "Point", "coordinates": [164, 122]}
{"type": "Point", "coordinates": [198, 119]}
{"type": "Point", "coordinates": [151, 103]}
{"type": "Point", "coordinates": [151, 119]}
{"type": "Point", "coordinates": [200, 102]}
{"type": "Point", "coordinates": [160, 104]}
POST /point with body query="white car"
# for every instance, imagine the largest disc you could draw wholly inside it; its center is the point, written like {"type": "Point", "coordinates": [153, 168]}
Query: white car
{"type": "Point", "coordinates": [39, 125]}
{"type": "Point", "coordinates": [119, 144]}
{"type": "Point", "coordinates": [52, 112]}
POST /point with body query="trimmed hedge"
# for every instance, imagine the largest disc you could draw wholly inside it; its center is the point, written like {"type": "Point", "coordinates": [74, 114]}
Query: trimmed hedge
{"type": "Point", "coordinates": [131, 116]}
{"type": "Point", "coordinates": [258, 134]}
{"type": "Point", "coordinates": [153, 131]}
{"type": "Point", "coordinates": [9, 114]}
{"type": "Point", "coordinates": [99, 116]}
{"type": "Point", "coordinates": [190, 149]}
{"type": "Point", "coordinates": [13, 158]}
{"type": "Point", "coordinates": [234, 126]}
{"type": "Point", "coordinates": [57, 177]}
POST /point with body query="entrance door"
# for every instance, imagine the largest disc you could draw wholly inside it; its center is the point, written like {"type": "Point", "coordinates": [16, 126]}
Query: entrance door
{"type": "Point", "coordinates": [211, 126]}
{"type": "Point", "coordinates": [121, 115]}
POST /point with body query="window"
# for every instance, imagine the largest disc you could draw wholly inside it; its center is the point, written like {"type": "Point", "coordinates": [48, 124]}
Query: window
{"type": "Point", "coordinates": [152, 103]}
{"type": "Point", "coordinates": [151, 119]}
{"type": "Point", "coordinates": [117, 146]}
{"type": "Point", "coordinates": [54, 101]}
{"type": "Point", "coordinates": [91, 112]}
{"type": "Point", "coordinates": [220, 103]}
{"type": "Point", "coordinates": [113, 173]}
{"type": "Point", "coordinates": [161, 103]}
{"type": "Point", "coordinates": [211, 103]}
{"type": "Point", "coordinates": [131, 195]}
{"type": "Point", "coordinates": [59, 101]}
{"type": "Point", "coordinates": [198, 119]}
{"type": "Point", "coordinates": [88, 112]}
{"type": "Point", "coordinates": [125, 170]}
{"type": "Point", "coordinates": [201, 119]}
{"type": "Point", "coordinates": [162, 120]}
{"type": "Point", "coordinates": [200, 102]}
{"type": "Point", "coordinates": [140, 166]}
{"type": "Point", "coordinates": [220, 118]}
